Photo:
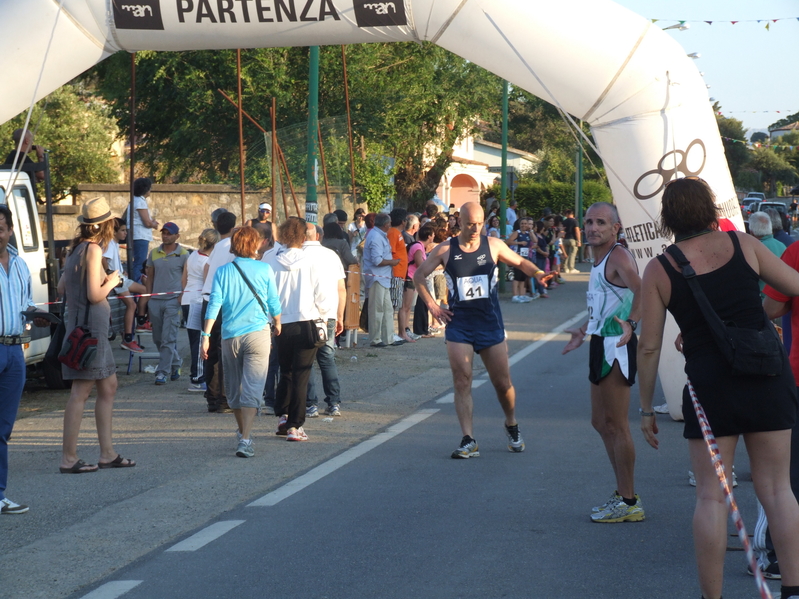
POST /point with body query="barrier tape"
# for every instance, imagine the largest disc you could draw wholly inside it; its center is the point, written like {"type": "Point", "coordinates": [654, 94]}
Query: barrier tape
{"type": "Point", "coordinates": [118, 297]}
{"type": "Point", "coordinates": [735, 514]}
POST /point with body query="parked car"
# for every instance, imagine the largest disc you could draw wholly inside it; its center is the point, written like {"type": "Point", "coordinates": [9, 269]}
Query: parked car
{"type": "Point", "coordinates": [748, 206]}
{"type": "Point", "coordinates": [794, 191]}
{"type": "Point", "coordinates": [782, 209]}
{"type": "Point", "coordinates": [756, 195]}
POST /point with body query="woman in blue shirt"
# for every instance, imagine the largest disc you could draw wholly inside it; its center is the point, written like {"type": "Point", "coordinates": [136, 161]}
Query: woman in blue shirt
{"type": "Point", "coordinates": [246, 293]}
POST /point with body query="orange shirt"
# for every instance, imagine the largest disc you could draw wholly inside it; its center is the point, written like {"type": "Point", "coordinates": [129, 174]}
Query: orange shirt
{"type": "Point", "coordinates": [398, 250]}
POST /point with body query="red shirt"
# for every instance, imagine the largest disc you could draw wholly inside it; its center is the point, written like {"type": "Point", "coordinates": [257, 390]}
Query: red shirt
{"type": "Point", "coordinates": [791, 258]}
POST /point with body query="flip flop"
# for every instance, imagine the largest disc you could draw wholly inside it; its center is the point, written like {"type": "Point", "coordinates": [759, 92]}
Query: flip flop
{"type": "Point", "coordinates": [78, 468]}
{"type": "Point", "coordinates": [117, 462]}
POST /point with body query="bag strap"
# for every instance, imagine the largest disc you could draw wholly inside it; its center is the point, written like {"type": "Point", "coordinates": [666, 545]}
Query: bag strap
{"type": "Point", "coordinates": [246, 280]}
{"type": "Point", "coordinates": [84, 282]}
{"type": "Point", "coordinates": [717, 326]}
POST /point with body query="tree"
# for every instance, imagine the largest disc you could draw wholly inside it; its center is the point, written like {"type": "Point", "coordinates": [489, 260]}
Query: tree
{"type": "Point", "coordinates": [78, 131]}
{"type": "Point", "coordinates": [784, 121]}
{"type": "Point", "coordinates": [773, 167]}
{"type": "Point", "coordinates": [407, 101]}
{"type": "Point", "coordinates": [733, 137]}
{"type": "Point", "coordinates": [758, 137]}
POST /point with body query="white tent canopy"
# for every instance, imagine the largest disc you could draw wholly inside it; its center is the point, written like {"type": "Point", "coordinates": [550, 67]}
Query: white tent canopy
{"type": "Point", "coordinates": [642, 96]}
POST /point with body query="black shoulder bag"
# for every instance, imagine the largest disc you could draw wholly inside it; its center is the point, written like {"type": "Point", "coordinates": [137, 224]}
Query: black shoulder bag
{"type": "Point", "coordinates": [750, 352]}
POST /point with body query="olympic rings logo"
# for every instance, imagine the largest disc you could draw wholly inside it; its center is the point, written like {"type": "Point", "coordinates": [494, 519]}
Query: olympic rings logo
{"type": "Point", "coordinates": [664, 175]}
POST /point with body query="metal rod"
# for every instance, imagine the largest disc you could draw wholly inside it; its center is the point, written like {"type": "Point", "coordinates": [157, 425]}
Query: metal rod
{"type": "Point", "coordinates": [311, 207]}
{"type": "Point", "coordinates": [129, 242]}
{"type": "Point", "coordinates": [241, 134]}
{"type": "Point", "coordinates": [349, 119]}
{"type": "Point", "coordinates": [503, 205]}
{"type": "Point", "coordinates": [324, 168]}
{"type": "Point", "coordinates": [274, 158]}
{"type": "Point", "coordinates": [288, 178]}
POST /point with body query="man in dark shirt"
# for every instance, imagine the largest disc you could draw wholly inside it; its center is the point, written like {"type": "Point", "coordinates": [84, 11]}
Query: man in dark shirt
{"type": "Point", "coordinates": [24, 150]}
{"type": "Point", "coordinates": [571, 241]}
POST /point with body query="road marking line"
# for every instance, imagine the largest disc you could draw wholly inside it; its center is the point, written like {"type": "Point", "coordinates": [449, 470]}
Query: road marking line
{"type": "Point", "coordinates": [521, 354]}
{"type": "Point", "coordinates": [478, 382]}
{"type": "Point", "coordinates": [113, 589]}
{"type": "Point", "coordinates": [333, 464]}
{"type": "Point", "coordinates": [448, 398]}
{"type": "Point", "coordinates": [206, 535]}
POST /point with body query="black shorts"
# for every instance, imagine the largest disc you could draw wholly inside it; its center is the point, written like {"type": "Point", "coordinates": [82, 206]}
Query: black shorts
{"type": "Point", "coordinates": [518, 275]}
{"type": "Point", "coordinates": [409, 284]}
{"type": "Point", "coordinates": [603, 354]}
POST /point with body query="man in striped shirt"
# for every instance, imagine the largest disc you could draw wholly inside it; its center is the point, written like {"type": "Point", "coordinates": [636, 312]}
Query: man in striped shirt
{"type": "Point", "coordinates": [15, 297]}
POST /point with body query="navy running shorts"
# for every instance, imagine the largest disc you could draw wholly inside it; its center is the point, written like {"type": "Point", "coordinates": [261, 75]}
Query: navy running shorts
{"type": "Point", "coordinates": [479, 339]}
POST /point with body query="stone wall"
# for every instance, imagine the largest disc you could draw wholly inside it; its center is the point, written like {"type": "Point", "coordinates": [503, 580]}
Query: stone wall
{"type": "Point", "coordinates": [190, 206]}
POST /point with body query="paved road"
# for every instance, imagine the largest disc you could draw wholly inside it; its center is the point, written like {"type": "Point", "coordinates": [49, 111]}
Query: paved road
{"type": "Point", "coordinates": [392, 516]}
{"type": "Point", "coordinates": [404, 520]}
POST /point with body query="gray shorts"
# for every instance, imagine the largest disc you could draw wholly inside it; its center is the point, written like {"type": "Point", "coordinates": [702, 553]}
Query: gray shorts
{"type": "Point", "coordinates": [245, 360]}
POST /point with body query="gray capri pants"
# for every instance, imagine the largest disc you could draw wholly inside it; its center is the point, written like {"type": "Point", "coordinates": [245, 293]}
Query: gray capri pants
{"type": "Point", "coordinates": [245, 360]}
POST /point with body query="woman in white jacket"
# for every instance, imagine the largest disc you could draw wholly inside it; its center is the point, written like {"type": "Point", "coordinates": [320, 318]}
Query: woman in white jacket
{"type": "Point", "coordinates": [301, 294]}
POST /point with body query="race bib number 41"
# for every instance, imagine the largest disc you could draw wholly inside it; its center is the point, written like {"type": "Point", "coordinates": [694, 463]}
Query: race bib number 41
{"type": "Point", "coordinates": [472, 288]}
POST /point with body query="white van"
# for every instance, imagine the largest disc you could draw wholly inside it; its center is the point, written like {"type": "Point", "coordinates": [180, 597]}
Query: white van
{"type": "Point", "coordinates": [17, 194]}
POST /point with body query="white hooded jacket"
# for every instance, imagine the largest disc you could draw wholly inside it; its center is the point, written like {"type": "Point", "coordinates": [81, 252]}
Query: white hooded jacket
{"type": "Point", "coordinates": [299, 285]}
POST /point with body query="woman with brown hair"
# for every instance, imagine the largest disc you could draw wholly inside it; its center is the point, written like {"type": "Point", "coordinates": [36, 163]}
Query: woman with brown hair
{"type": "Point", "coordinates": [245, 291]}
{"type": "Point", "coordinates": [762, 408]}
{"type": "Point", "coordinates": [87, 286]}
{"type": "Point", "coordinates": [301, 295]}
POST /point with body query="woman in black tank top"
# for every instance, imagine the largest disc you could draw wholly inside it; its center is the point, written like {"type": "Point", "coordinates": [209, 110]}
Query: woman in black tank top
{"type": "Point", "coordinates": [761, 408]}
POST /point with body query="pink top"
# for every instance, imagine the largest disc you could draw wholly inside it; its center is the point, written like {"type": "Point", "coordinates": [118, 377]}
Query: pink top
{"type": "Point", "coordinates": [412, 251]}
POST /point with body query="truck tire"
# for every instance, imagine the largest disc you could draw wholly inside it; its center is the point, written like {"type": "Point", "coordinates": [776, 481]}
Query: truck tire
{"type": "Point", "coordinates": [52, 375]}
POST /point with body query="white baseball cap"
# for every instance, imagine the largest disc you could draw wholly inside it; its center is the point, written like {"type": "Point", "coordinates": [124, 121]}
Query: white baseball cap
{"type": "Point", "coordinates": [265, 206]}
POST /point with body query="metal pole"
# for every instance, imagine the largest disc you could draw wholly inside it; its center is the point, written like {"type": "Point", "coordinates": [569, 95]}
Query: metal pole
{"type": "Point", "coordinates": [52, 263]}
{"type": "Point", "coordinates": [241, 135]}
{"type": "Point", "coordinates": [503, 205]}
{"type": "Point", "coordinates": [274, 159]}
{"type": "Point", "coordinates": [578, 191]}
{"type": "Point", "coordinates": [313, 125]}
{"type": "Point", "coordinates": [349, 121]}
{"type": "Point", "coordinates": [324, 170]}
{"type": "Point", "coordinates": [130, 241]}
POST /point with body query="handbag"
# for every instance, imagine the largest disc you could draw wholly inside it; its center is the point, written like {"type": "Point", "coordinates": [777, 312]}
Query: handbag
{"type": "Point", "coordinates": [750, 352]}
{"type": "Point", "coordinates": [318, 332]}
{"type": "Point", "coordinates": [80, 348]}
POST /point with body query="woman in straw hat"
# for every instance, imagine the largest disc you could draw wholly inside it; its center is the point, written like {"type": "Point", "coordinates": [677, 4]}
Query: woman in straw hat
{"type": "Point", "coordinates": [85, 282]}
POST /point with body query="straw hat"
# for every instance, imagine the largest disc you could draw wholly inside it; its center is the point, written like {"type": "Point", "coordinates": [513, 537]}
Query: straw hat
{"type": "Point", "coordinates": [94, 212]}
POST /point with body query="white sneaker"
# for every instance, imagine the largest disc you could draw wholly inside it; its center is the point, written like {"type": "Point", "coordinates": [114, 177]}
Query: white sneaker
{"type": "Point", "coordinates": [525, 299]}
{"type": "Point", "coordinates": [9, 507]}
{"type": "Point", "coordinates": [661, 409]}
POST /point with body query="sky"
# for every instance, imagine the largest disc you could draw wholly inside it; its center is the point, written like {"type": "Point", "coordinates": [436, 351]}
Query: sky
{"type": "Point", "coordinates": [752, 71]}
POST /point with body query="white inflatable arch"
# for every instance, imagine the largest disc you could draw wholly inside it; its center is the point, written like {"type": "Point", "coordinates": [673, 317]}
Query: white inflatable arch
{"type": "Point", "coordinates": [643, 97]}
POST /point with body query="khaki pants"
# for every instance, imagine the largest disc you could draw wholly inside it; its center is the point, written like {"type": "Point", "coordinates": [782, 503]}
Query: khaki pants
{"type": "Point", "coordinates": [381, 315]}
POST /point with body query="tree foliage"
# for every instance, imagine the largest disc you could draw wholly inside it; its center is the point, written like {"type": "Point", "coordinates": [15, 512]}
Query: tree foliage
{"type": "Point", "coordinates": [736, 152]}
{"type": "Point", "coordinates": [78, 131]}
{"type": "Point", "coordinates": [773, 166]}
{"type": "Point", "coordinates": [407, 100]}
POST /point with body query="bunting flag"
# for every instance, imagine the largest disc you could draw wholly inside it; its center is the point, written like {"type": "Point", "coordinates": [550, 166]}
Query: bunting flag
{"type": "Point", "coordinates": [767, 22]}
{"type": "Point", "coordinates": [760, 145]}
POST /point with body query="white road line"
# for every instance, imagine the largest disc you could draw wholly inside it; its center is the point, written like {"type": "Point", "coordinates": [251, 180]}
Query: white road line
{"type": "Point", "coordinates": [448, 398]}
{"type": "Point", "coordinates": [333, 464]}
{"type": "Point", "coordinates": [113, 589]}
{"type": "Point", "coordinates": [206, 535]}
{"type": "Point", "coordinates": [520, 355]}
{"type": "Point", "coordinates": [478, 382]}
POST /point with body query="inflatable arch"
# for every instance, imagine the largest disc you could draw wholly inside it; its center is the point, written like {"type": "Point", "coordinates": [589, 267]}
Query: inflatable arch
{"type": "Point", "coordinates": [644, 99]}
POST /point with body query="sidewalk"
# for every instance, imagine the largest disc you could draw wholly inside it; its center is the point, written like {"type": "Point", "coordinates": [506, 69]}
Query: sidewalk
{"type": "Point", "coordinates": [80, 528]}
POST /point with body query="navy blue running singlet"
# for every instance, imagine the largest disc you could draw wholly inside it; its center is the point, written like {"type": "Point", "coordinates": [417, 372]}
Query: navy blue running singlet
{"type": "Point", "coordinates": [473, 296]}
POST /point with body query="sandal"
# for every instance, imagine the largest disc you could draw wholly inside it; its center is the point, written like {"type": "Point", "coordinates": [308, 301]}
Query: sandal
{"type": "Point", "coordinates": [117, 462]}
{"type": "Point", "coordinates": [78, 467]}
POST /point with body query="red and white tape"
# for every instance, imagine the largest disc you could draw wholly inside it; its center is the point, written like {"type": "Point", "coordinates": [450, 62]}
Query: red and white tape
{"type": "Point", "coordinates": [735, 514]}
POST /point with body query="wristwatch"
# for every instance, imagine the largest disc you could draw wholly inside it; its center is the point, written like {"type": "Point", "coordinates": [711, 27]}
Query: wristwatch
{"type": "Point", "coordinates": [632, 323]}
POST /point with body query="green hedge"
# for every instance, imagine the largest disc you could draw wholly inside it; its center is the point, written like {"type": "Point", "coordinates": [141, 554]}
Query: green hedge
{"type": "Point", "coordinates": [534, 197]}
